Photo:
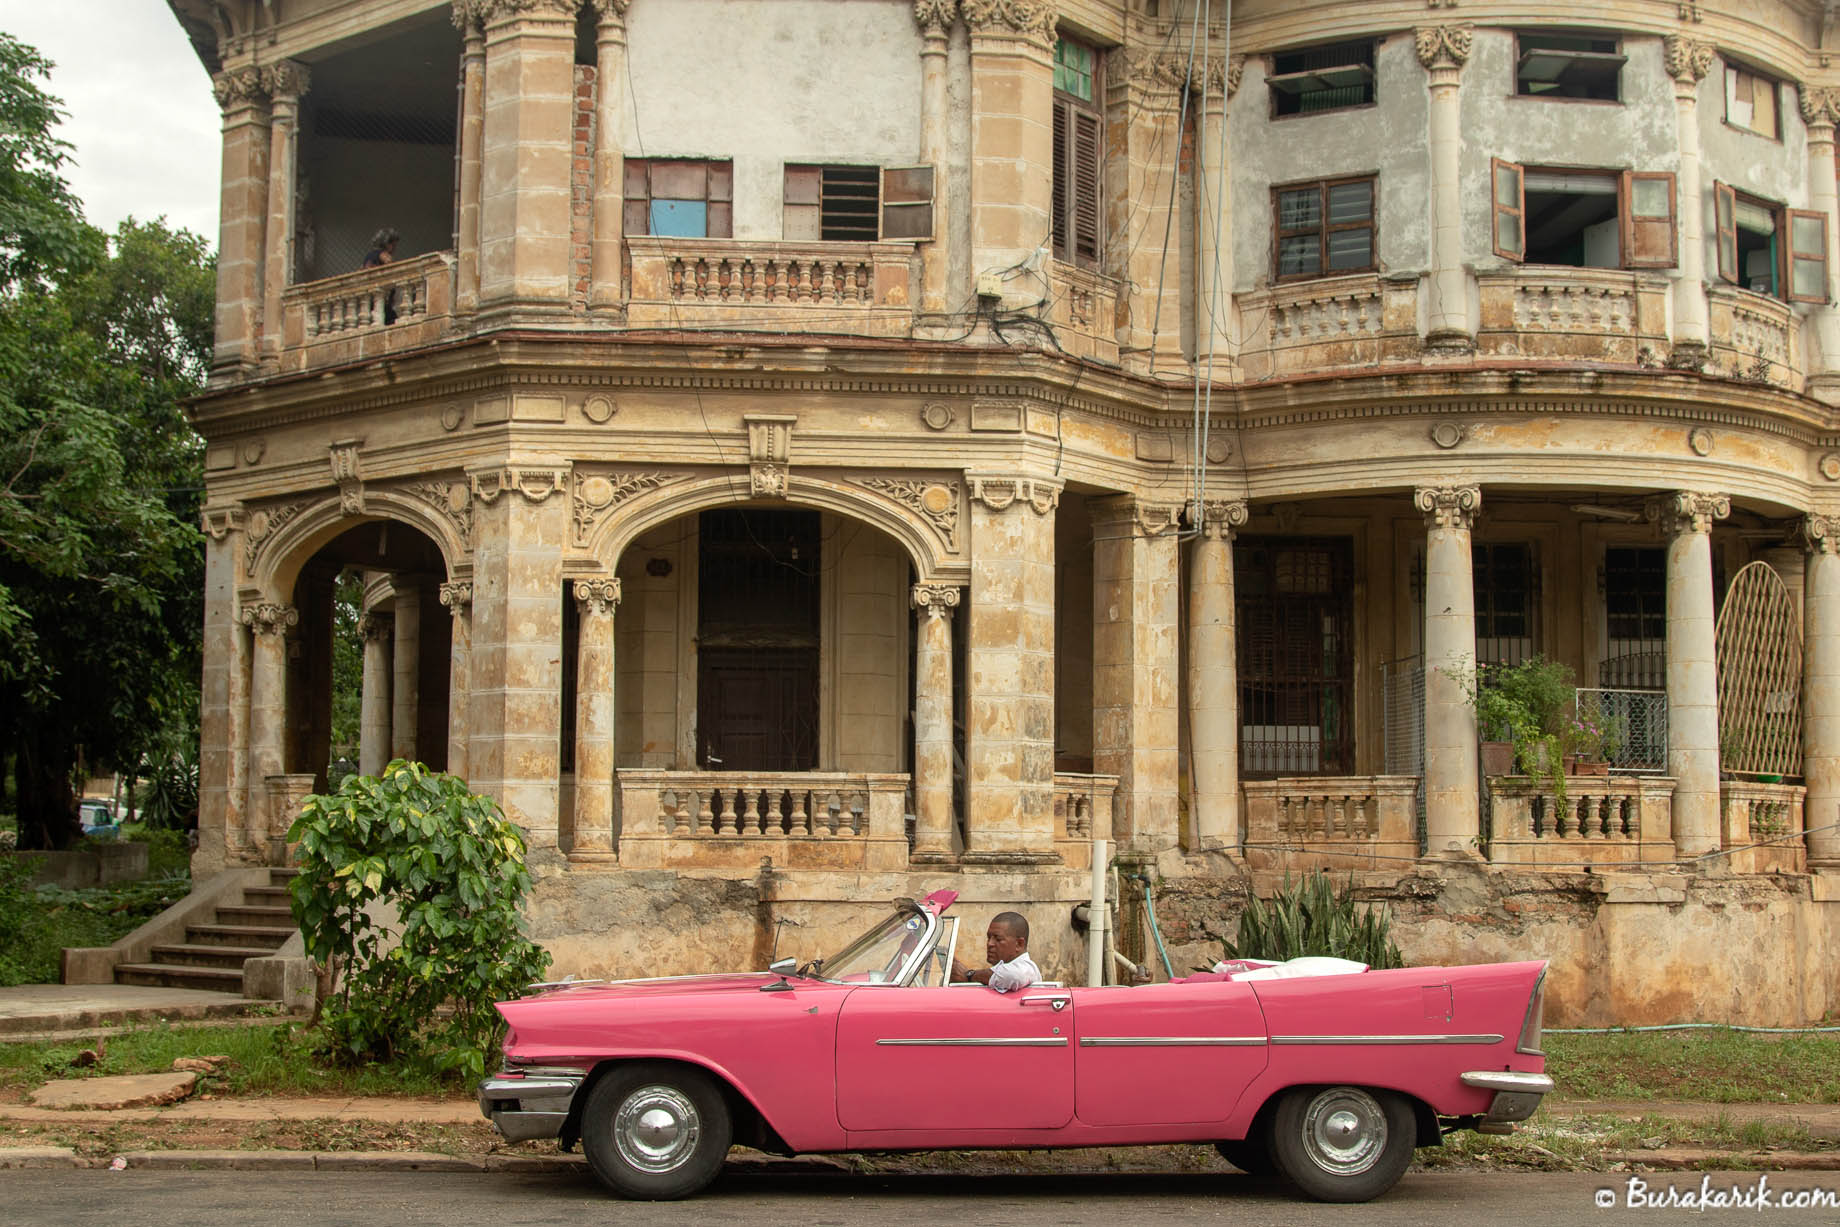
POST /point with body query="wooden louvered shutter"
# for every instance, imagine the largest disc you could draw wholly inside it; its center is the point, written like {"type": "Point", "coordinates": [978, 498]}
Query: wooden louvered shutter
{"type": "Point", "coordinates": [1063, 177]}
{"type": "Point", "coordinates": [1088, 149]}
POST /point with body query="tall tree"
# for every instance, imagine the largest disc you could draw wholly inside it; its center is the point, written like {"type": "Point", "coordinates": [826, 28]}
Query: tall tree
{"type": "Point", "coordinates": [100, 556]}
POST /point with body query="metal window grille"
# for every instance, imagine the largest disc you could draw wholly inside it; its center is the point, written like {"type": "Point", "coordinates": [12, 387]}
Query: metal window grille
{"type": "Point", "coordinates": [1760, 676]}
{"type": "Point", "coordinates": [1507, 591]}
{"type": "Point", "coordinates": [1638, 720]}
{"type": "Point", "coordinates": [1402, 686]}
{"type": "Point", "coordinates": [1296, 655]}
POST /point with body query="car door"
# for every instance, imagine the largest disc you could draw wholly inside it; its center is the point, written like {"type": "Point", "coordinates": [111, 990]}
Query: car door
{"type": "Point", "coordinates": [1166, 1054]}
{"type": "Point", "coordinates": [960, 1058]}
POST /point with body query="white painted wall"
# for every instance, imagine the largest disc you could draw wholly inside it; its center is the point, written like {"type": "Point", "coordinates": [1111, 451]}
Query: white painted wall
{"type": "Point", "coordinates": [766, 82]}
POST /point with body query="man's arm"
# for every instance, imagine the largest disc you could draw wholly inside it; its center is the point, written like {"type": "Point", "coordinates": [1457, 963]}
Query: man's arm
{"type": "Point", "coordinates": [962, 974]}
{"type": "Point", "coordinates": [1008, 977]}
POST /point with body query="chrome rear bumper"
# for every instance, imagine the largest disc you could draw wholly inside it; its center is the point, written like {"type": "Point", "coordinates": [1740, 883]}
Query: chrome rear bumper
{"type": "Point", "coordinates": [1517, 1096]}
{"type": "Point", "coordinates": [529, 1105]}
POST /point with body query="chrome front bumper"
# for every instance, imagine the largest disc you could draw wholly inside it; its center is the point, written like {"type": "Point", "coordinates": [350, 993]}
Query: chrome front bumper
{"type": "Point", "coordinates": [531, 1104]}
{"type": "Point", "coordinates": [1517, 1095]}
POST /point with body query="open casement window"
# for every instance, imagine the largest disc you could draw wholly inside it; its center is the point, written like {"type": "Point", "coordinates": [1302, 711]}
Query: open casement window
{"type": "Point", "coordinates": [1768, 249]}
{"type": "Point", "coordinates": [858, 204]}
{"type": "Point", "coordinates": [1510, 209]}
{"type": "Point", "coordinates": [1645, 202]}
{"type": "Point", "coordinates": [1725, 220]}
{"type": "Point", "coordinates": [1807, 255]}
{"type": "Point", "coordinates": [1328, 77]}
{"type": "Point", "coordinates": [1567, 66]}
{"type": "Point", "coordinates": [1583, 218]}
{"type": "Point", "coordinates": [1079, 150]}
{"type": "Point", "coordinates": [907, 202]}
{"type": "Point", "coordinates": [680, 198]}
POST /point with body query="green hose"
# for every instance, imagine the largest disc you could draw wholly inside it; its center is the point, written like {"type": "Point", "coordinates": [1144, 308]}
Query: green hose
{"type": "Point", "coordinates": [1150, 906]}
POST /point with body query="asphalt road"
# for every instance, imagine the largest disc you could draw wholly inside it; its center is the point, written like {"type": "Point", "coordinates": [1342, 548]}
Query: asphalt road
{"type": "Point", "coordinates": [370, 1199]}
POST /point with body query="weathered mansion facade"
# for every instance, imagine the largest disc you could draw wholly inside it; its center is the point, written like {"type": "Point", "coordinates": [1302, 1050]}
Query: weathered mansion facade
{"type": "Point", "coordinates": [810, 451]}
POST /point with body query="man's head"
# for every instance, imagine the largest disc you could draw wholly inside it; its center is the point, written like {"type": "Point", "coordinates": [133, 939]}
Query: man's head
{"type": "Point", "coordinates": [1007, 937]}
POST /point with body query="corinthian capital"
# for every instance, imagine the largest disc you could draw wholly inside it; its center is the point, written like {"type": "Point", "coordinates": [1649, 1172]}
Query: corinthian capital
{"type": "Point", "coordinates": [239, 87]}
{"type": "Point", "coordinates": [1821, 534]}
{"type": "Point", "coordinates": [1449, 506]}
{"type": "Point", "coordinates": [1162, 72]}
{"type": "Point", "coordinates": [605, 9]}
{"type": "Point", "coordinates": [934, 17]}
{"type": "Point", "coordinates": [936, 600]}
{"type": "Point", "coordinates": [1687, 511]}
{"type": "Point", "coordinates": [504, 10]}
{"type": "Point", "coordinates": [1443, 46]}
{"type": "Point", "coordinates": [288, 79]}
{"type": "Point", "coordinates": [1819, 105]}
{"type": "Point", "coordinates": [598, 596]}
{"type": "Point", "coordinates": [1687, 60]}
{"type": "Point", "coordinates": [1030, 19]}
{"type": "Point", "coordinates": [270, 618]}
{"type": "Point", "coordinates": [376, 628]}
{"type": "Point", "coordinates": [457, 595]}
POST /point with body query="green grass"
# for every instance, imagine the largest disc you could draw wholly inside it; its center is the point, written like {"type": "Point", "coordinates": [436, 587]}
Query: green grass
{"type": "Point", "coordinates": [1709, 1066]}
{"type": "Point", "coordinates": [42, 920]}
{"type": "Point", "coordinates": [265, 1059]}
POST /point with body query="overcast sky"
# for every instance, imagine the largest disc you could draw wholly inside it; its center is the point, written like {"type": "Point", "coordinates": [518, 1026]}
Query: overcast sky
{"type": "Point", "coordinates": [139, 104]}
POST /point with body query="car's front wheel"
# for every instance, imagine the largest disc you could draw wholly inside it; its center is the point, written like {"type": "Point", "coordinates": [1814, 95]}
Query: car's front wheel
{"type": "Point", "coordinates": [655, 1132]}
{"type": "Point", "coordinates": [1342, 1143]}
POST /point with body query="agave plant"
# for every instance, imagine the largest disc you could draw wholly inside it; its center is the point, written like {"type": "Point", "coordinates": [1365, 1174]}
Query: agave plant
{"type": "Point", "coordinates": [1310, 917]}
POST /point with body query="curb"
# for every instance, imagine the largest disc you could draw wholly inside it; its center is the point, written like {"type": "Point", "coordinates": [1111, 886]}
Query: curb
{"type": "Point", "coordinates": [28, 1028]}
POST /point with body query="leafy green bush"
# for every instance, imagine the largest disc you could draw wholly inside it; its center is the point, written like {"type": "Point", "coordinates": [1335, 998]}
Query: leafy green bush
{"type": "Point", "coordinates": [1310, 917]}
{"type": "Point", "coordinates": [449, 866]}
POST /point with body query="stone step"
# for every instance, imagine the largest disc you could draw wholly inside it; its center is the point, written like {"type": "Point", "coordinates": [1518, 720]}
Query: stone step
{"type": "Point", "coordinates": [280, 877]}
{"type": "Point", "coordinates": [228, 958]}
{"type": "Point", "coordinates": [269, 936]}
{"type": "Point", "coordinates": [266, 896]}
{"type": "Point", "coordinates": [173, 975]}
{"type": "Point", "coordinates": [256, 914]}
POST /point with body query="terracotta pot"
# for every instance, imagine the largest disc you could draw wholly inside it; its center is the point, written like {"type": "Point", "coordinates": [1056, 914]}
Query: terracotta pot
{"type": "Point", "coordinates": [1497, 758]}
{"type": "Point", "coordinates": [1590, 767]}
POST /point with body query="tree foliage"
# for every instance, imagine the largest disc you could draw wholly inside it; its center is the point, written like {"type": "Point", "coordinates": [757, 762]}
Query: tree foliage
{"type": "Point", "coordinates": [408, 894]}
{"type": "Point", "coordinates": [1310, 917]}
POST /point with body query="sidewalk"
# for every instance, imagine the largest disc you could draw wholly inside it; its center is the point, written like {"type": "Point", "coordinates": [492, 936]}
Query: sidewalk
{"type": "Point", "coordinates": [57, 1011]}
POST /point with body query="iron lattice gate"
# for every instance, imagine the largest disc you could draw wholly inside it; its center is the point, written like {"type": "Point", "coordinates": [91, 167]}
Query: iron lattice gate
{"type": "Point", "coordinates": [1760, 676]}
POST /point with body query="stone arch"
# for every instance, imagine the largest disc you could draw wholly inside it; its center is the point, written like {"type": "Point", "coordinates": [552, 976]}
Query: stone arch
{"type": "Point", "coordinates": [285, 550]}
{"type": "Point", "coordinates": [937, 555]}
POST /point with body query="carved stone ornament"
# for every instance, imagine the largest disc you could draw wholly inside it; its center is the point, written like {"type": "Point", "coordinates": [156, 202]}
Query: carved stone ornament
{"type": "Point", "coordinates": [1028, 18]}
{"type": "Point", "coordinates": [1687, 60]}
{"type": "Point", "coordinates": [239, 87]}
{"type": "Point", "coordinates": [937, 415]}
{"type": "Point", "coordinates": [510, 10]}
{"type": "Point", "coordinates": [376, 628]}
{"type": "Point", "coordinates": [934, 17]}
{"type": "Point", "coordinates": [1163, 72]}
{"type": "Point", "coordinates": [220, 522]}
{"type": "Point", "coordinates": [287, 79]}
{"type": "Point", "coordinates": [1221, 518]}
{"type": "Point", "coordinates": [1447, 434]}
{"type": "Point", "coordinates": [347, 475]}
{"type": "Point", "coordinates": [605, 9]}
{"type": "Point", "coordinates": [769, 453]}
{"type": "Point", "coordinates": [453, 500]}
{"type": "Point", "coordinates": [466, 16]}
{"type": "Point", "coordinates": [598, 409]}
{"type": "Point", "coordinates": [1829, 466]}
{"type": "Point", "coordinates": [937, 501]}
{"type": "Point", "coordinates": [457, 595]}
{"type": "Point", "coordinates": [1686, 511]}
{"type": "Point", "coordinates": [1155, 519]}
{"type": "Point", "coordinates": [598, 493]}
{"type": "Point", "coordinates": [599, 596]}
{"type": "Point", "coordinates": [452, 415]}
{"type": "Point", "coordinates": [936, 600]}
{"type": "Point", "coordinates": [1449, 506]}
{"type": "Point", "coordinates": [1225, 74]}
{"type": "Point", "coordinates": [1001, 493]}
{"type": "Point", "coordinates": [1699, 440]}
{"type": "Point", "coordinates": [1820, 105]}
{"type": "Point", "coordinates": [1443, 46]}
{"type": "Point", "coordinates": [253, 450]}
{"type": "Point", "coordinates": [535, 482]}
{"type": "Point", "coordinates": [269, 617]}
{"type": "Point", "coordinates": [264, 523]}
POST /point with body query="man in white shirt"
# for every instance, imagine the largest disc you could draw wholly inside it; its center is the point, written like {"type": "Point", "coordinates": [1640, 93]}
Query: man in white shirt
{"type": "Point", "coordinates": [1006, 945]}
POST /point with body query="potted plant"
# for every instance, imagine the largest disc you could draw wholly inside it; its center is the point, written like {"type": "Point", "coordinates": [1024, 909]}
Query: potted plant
{"type": "Point", "coordinates": [1593, 739]}
{"type": "Point", "coordinates": [1530, 702]}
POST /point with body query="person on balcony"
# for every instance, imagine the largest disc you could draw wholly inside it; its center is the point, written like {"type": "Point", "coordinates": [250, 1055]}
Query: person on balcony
{"type": "Point", "coordinates": [383, 248]}
{"type": "Point", "coordinates": [1006, 946]}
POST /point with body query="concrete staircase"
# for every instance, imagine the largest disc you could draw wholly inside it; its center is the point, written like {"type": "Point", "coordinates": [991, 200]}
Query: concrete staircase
{"type": "Point", "coordinates": [212, 955]}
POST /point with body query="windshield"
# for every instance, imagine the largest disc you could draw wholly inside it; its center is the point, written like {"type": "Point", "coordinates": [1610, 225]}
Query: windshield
{"type": "Point", "coordinates": [878, 955]}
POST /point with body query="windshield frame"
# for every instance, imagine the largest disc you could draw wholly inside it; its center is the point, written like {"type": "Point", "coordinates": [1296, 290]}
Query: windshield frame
{"type": "Point", "coordinates": [905, 909]}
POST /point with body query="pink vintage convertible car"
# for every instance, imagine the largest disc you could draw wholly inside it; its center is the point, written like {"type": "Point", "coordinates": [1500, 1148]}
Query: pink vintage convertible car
{"type": "Point", "coordinates": [1328, 1082]}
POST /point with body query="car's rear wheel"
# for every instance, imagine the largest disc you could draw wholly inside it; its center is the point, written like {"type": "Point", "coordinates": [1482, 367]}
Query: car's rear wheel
{"type": "Point", "coordinates": [1342, 1143]}
{"type": "Point", "coordinates": [655, 1132]}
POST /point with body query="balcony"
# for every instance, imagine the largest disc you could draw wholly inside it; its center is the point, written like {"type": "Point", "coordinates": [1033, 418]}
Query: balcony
{"type": "Point", "coordinates": [1761, 827]}
{"type": "Point", "coordinates": [1083, 307]}
{"type": "Point", "coordinates": [1755, 337]}
{"type": "Point", "coordinates": [1082, 813]}
{"type": "Point", "coordinates": [732, 820]}
{"type": "Point", "coordinates": [1331, 822]}
{"type": "Point", "coordinates": [1603, 821]}
{"type": "Point", "coordinates": [1311, 326]}
{"type": "Point", "coordinates": [367, 314]}
{"type": "Point", "coordinates": [1577, 314]}
{"type": "Point", "coordinates": [863, 288]}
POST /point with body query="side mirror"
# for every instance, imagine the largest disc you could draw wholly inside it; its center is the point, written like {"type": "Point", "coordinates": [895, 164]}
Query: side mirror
{"type": "Point", "coordinates": [783, 967]}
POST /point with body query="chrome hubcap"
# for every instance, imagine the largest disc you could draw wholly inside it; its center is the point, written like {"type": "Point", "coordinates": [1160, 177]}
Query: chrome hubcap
{"type": "Point", "coordinates": [1344, 1131]}
{"type": "Point", "coordinates": [656, 1129]}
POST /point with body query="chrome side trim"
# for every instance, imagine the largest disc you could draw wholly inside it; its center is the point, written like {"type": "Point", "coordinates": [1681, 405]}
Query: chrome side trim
{"type": "Point", "coordinates": [1172, 1041]}
{"type": "Point", "coordinates": [1386, 1039]}
{"type": "Point", "coordinates": [954, 1042]}
{"type": "Point", "coordinates": [529, 1107]}
{"type": "Point", "coordinates": [1508, 1080]}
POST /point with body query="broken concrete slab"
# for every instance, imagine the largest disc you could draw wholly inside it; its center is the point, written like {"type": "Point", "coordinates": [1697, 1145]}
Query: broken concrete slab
{"type": "Point", "coordinates": [111, 1094]}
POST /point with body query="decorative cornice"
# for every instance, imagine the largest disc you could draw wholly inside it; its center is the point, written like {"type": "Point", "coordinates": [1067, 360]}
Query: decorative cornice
{"type": "Point", "coordinates": [377, 627]}
{"type": "Point", "coordinates": [1221, 519]}
{"type": "Point", "coordinates": [937, 501]}
{"type": "Point", "coordinates": [936, 600]}
{"type": "Point", "coordinates": [1443, 47]}
{"type": "Point", "coordinates": [1001, 493]}
{"type": "Point", "coordinates": [1449, 506]}
{"type": "Point", "coordinates": [598, 596]}
{"type": "Point", "coordinates": [510, 10]}
{"type": "Point", "coordinates": [597, 493]}
{"type": "Point", "coordinates": [1686, 511]}
{"type": "Point", "coordinates": [1821, 534]}
{"type": "Point", "coordinates": [288, 79]}
{"type": "Point", "coordinates": [457, 595]}
{"type": "Point", "coordinates": [347, 474]}
{"type": "Point", "coordinates": [935, 17]}
{"type": "Point", "coordinates": [1157, 72]}
{"type": "Point", "coordinates": [269, 617]}
{"type": "Point", "coordinates": [1029, 19]}
{"type": "Point", "coordinates": [219, 522]}
{"type": "Point", "coordinates": [1819, 105]}
{"type": "Point", "coordinates": [535, 482]}
{"type": "Point", "coordinates": [1686, 60]}
{"type": "Point", "coordinates": [239, 87]}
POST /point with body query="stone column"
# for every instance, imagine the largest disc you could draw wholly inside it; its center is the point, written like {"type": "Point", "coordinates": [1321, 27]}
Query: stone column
{"type": "Point", "coordinates": [1687, 64]}
{"type": "Point", "coordinates": [1136, 665]}
{"type": "Point", "coordinates": [1820, 108]}
{"type": "Point", "coordinates": [1213, 680]}
{"type": "Point", "coordinates": [1443, 50]}
{"type": "Point", "coordinates": [457, 595]}
{"type": "Point", "coordinates": [592, 828]}
{"type": "Point", "coordinates": [934, 604]}
{"type": "Point", "coordinates": [243, 213]}
{"type": "Point", "coordinates": [406, 671]}
{"type": "Point", "coordinates": [528, 156]}
{"type": "Point", "coordinates": [1686, 519]}
{"type": "Point", "coordinates": [472, 142]}
{"type": "Point", "coordinates": [1821, 688]}
{"type": "Point", "coordinates": [374, 706]}
{"type": "Point", "coordinates": [1009, 700]}
{"type": "Point", "coordinates": [520, 528]}
{"type": "Point", "coordinates": [1451, 783]}
{"type": "Point", "coordinates": [268, 624]}
{"type": "Point", "coordinates": [609, 157]}
{"type": "Point", "coordinates": [285, 83]}
{"type": "Point", "coordinates": [1012, 135]}
{"type": "Point", "coordinates": [935, 18]}
{"type": "Point", "coordinates": [223, 716]}
{"type": "Point", "coordinates": [1143, 140]}
{"type": "Point", "coordinates": [1215, 326]}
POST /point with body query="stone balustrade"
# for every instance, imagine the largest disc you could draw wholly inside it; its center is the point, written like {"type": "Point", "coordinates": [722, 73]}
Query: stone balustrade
{"type": "Point", "coordinates": [1755, 337]}
{"type": "Point", "coordinates": [367, 313]}
{"type": "Point", "coordinates": [1331, 822]}
{"type": "Point", "coordinates": [1083, 307]}
{"type": "Point", "coordinates": [1597, 314]}
{"type": "Point", "coordinates": [1604, 820]}
{"type": "Point", "coordinates": [1082, 813]}
{"type": "Point", "coordinates": [812, 287]}
{"type": "Point", "coordinates": [1761, 826]}
{"type": "Point", "coordinates": [734, 819]}
{"type": "Point", "coordinates": [1310, 326]}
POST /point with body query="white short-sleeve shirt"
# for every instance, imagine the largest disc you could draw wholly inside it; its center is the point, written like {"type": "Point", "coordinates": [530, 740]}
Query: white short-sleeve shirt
{"type": "Point", "coordinates": [1019, 972]}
